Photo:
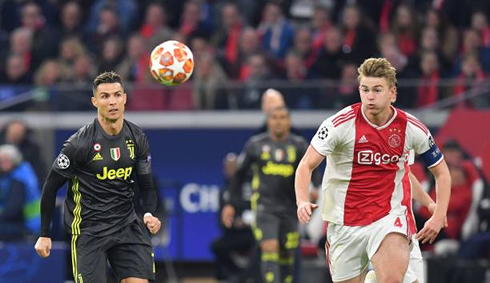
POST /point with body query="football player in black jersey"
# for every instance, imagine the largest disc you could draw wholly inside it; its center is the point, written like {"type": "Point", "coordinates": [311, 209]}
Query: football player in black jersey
{"type": "Point", "coordinates": [99, 161]}
{"type": "Point", "coordinates": [273, 156]}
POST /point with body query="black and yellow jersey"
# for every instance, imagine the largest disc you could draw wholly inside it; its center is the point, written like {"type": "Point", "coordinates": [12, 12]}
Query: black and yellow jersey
{"type": "Point", "coordinates": [274, 166]}
{"type": "Point", "coordinates": [99, 167]}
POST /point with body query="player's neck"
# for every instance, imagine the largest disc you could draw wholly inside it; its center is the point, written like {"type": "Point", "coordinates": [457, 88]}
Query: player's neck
{"type": "Point", "coordinates": [111, 127]}
{"type": "Point", "coordinates": [280, 137]}
{"type": "Point", "coordinates": [380, 118]}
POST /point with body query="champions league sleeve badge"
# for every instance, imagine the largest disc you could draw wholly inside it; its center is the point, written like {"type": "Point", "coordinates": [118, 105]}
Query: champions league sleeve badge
{"type": "Point", "coordinates": [323, 133]}
{"type": "Point", "coordinates": [63, 161]}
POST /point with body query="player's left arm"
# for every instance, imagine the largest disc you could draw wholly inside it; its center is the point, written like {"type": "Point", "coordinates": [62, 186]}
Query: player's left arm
{"type": "Point", "coordinates": [423, 143]}
{"type": "Point", "coordinates": [147, 188]}
{"type": "Point", "coordinates": [443, 192]}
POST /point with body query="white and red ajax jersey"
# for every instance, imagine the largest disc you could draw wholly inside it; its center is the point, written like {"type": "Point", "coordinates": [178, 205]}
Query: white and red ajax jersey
{"type": "Point", "coordinates": [366, 177]}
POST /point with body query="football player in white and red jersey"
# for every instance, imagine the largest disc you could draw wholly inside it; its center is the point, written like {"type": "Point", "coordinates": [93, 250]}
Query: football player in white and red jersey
{"type": "Point", "coordinates": [367, 191]}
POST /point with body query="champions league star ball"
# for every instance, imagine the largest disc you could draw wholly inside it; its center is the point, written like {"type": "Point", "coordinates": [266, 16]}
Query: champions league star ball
{"type": "Point", "coordinates": [171, 63]}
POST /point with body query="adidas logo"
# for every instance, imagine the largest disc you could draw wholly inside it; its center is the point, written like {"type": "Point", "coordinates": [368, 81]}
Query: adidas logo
{"type": "Point", "coordinates": [363, 139]}
{"type": "Point", "coordinates": [98, 157]}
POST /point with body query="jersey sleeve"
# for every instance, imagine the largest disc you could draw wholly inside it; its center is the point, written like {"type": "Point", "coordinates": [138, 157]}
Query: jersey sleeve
{"type": "Point", "coordinates": [65, 163]}
{"type": "Point", "coordinates": [424, 145]}
{"type": "Point", "coordinates": [325, 139]}
{"type": "Point", "coordinates": [143, 156]}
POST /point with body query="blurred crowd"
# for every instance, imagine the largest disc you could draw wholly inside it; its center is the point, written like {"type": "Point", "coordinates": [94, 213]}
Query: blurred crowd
{"type": "Point", "coordinates": [440, 49]}
{"type": "Point", "coordinates": [256, 43]}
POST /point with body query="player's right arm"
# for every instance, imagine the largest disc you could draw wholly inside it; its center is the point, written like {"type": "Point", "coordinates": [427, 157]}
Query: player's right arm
{"type": "Point", "coordinates": [322, 144]}
{"type": "Point", "coordinates": [62, 170]}
{"type": "Point", "coordinates": [48, 201]}
{"type": "Point", "coordinates": [245, 160]}
{"type": "Point", "coordinates": [308, 163]}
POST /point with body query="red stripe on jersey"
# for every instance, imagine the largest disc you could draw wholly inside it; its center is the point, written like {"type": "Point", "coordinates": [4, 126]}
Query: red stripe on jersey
{"type": "Point", "coordinates": [343, 120]}
{"type": "Point", "coordinates": [407, 200]}
{"type": "Point", "coordinates": [334, 120]}
{"type": "Point", "coordinates": [375, 165]}
{"type": "Point", "coordinates": [418, 124]}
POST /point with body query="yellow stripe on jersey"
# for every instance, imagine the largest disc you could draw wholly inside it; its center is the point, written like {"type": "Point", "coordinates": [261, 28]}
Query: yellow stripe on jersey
{"type": "Point", "coordinates": [77, 216]}
{"type": "Point", "coordinates": [74, 263]}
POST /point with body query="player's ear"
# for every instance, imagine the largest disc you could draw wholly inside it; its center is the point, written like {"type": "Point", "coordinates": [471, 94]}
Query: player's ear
{"type": "Point", "coordinates": [94, 101]}
{"type": "Point", "coordinates": [393, 94]}
{"type": "Point", "coordinates": [125, 98]}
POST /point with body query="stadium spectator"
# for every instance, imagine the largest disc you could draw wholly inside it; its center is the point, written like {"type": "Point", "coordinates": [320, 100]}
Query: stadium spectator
{"type": "Point", "coordinates": [71, 21]}
{"type": "Point", "coordinates": [125, 11]}
{"type": "Point", "coordinates": [358, 36]}
{"type": "Point", "coordinates": [227, 38]}
{"type": "Point", "coordinates": [366, 226]}
{"type": "Point", "coordinates": [330, 58]}
{"type": "Point", "coordinates": [108, 26]}
{"type": "Point", "coordinates": [471, 44]}
{"type": "Point", "coordinates": [303, 46]}
{"type": "Point", "coordinates": [248, 45]}
{"type": "Point", "coordinates": [347, 92]}
{"type": "Point", "coordinates": [21, 45]}
{"type": "Point", "coordinates": [16, 72]}
{"type": "Point", "coordinates": [471, 78]}
{"type": "Point", "coordinates": [112, 54]}
{"type": "Point", "coordinates": [154, 28]}
{"type": "Point", "coordinates": [258, 73]}
{"type": "Point", "coordinates": [320, 23]}
{"type": "Point", "coordinates": [275, 31]}
{"type": "Point", "coordinates": [192, 23]}
{"type": "Point", "coordinates": [71, 49]}
{"type": "Point", "coordinates": [17, 133]}
{"type": "Point", "coordinates": [134, 66]}
{"type": "Point", "coordinates": [447, 33]}
{"type": "Point", "coordinates": [44, 38]}
{"type": "Point", "coordinates": [428, 91]}
{"type": "Point", "coordinates": [479, 22]}
{"type": "Point", "coordinates": [405, 27]}
{"type": "Point", "coordinates": [210, 88]}
{"type": "Point", "coordinates": [19, 196]}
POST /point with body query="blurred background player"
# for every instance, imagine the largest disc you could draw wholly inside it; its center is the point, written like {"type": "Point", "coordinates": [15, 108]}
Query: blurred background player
{"type": "Point", "coordinates": [98, 161]}
{"type": "Point", "coordinates": [366, 182]}
{"type": "Point", "coordinates": [237, 238]}
{"type": "Point", "coordinates": [274, 157]}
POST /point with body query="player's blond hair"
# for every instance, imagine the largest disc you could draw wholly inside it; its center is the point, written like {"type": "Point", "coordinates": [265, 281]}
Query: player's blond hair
{"type": "Point", "coordinates": [378, 68]}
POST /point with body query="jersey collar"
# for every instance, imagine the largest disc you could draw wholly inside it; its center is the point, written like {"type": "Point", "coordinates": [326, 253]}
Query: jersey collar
{"type": "Point", "coordinates": [382, 126]}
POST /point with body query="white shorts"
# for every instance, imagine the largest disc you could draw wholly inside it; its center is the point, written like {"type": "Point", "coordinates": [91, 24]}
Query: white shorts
{"type": "Point", "coordinates": [350, 248]}
{"type": "Point", "coordinates": [416, 265]}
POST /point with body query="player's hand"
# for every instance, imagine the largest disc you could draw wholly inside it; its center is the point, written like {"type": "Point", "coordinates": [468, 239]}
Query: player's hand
{"type": "Point", "coordinates": [305, 209]}
{"type": "Point", "coordinates": [432, 207]}
{"type": "Point", "coordinates": [227, 215]}
{"type": "Point", "coordinates": [431, 229]}
{"type": "Point", "coordinates": [43, 247]}
{"type": "Point", "coordinates": [152, 223]}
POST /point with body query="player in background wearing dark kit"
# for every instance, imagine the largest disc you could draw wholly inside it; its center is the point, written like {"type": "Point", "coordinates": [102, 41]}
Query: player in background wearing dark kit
{"type": "Point", "coordinates": [99, 161]}
{"type": "Point", "coordinates": [273, 156]}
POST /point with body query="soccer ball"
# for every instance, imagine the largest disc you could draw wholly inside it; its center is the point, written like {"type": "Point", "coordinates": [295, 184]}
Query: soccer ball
{"type": "Point", "coordinates": [171, 63]}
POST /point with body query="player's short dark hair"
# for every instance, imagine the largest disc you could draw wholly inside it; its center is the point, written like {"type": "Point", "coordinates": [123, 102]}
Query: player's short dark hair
{"type": "Point", "coordinates": [106, 78]}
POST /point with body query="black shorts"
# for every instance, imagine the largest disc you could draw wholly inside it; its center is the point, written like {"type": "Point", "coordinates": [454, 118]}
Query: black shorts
{"type": "Point", "coordinates": [129, 252]}
{"type": "Point", "coordinates": [284, 228]}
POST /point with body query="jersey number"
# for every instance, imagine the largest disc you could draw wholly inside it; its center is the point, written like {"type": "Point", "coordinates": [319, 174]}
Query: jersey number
{"type": "Point", "coordinates": [398, 223]}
